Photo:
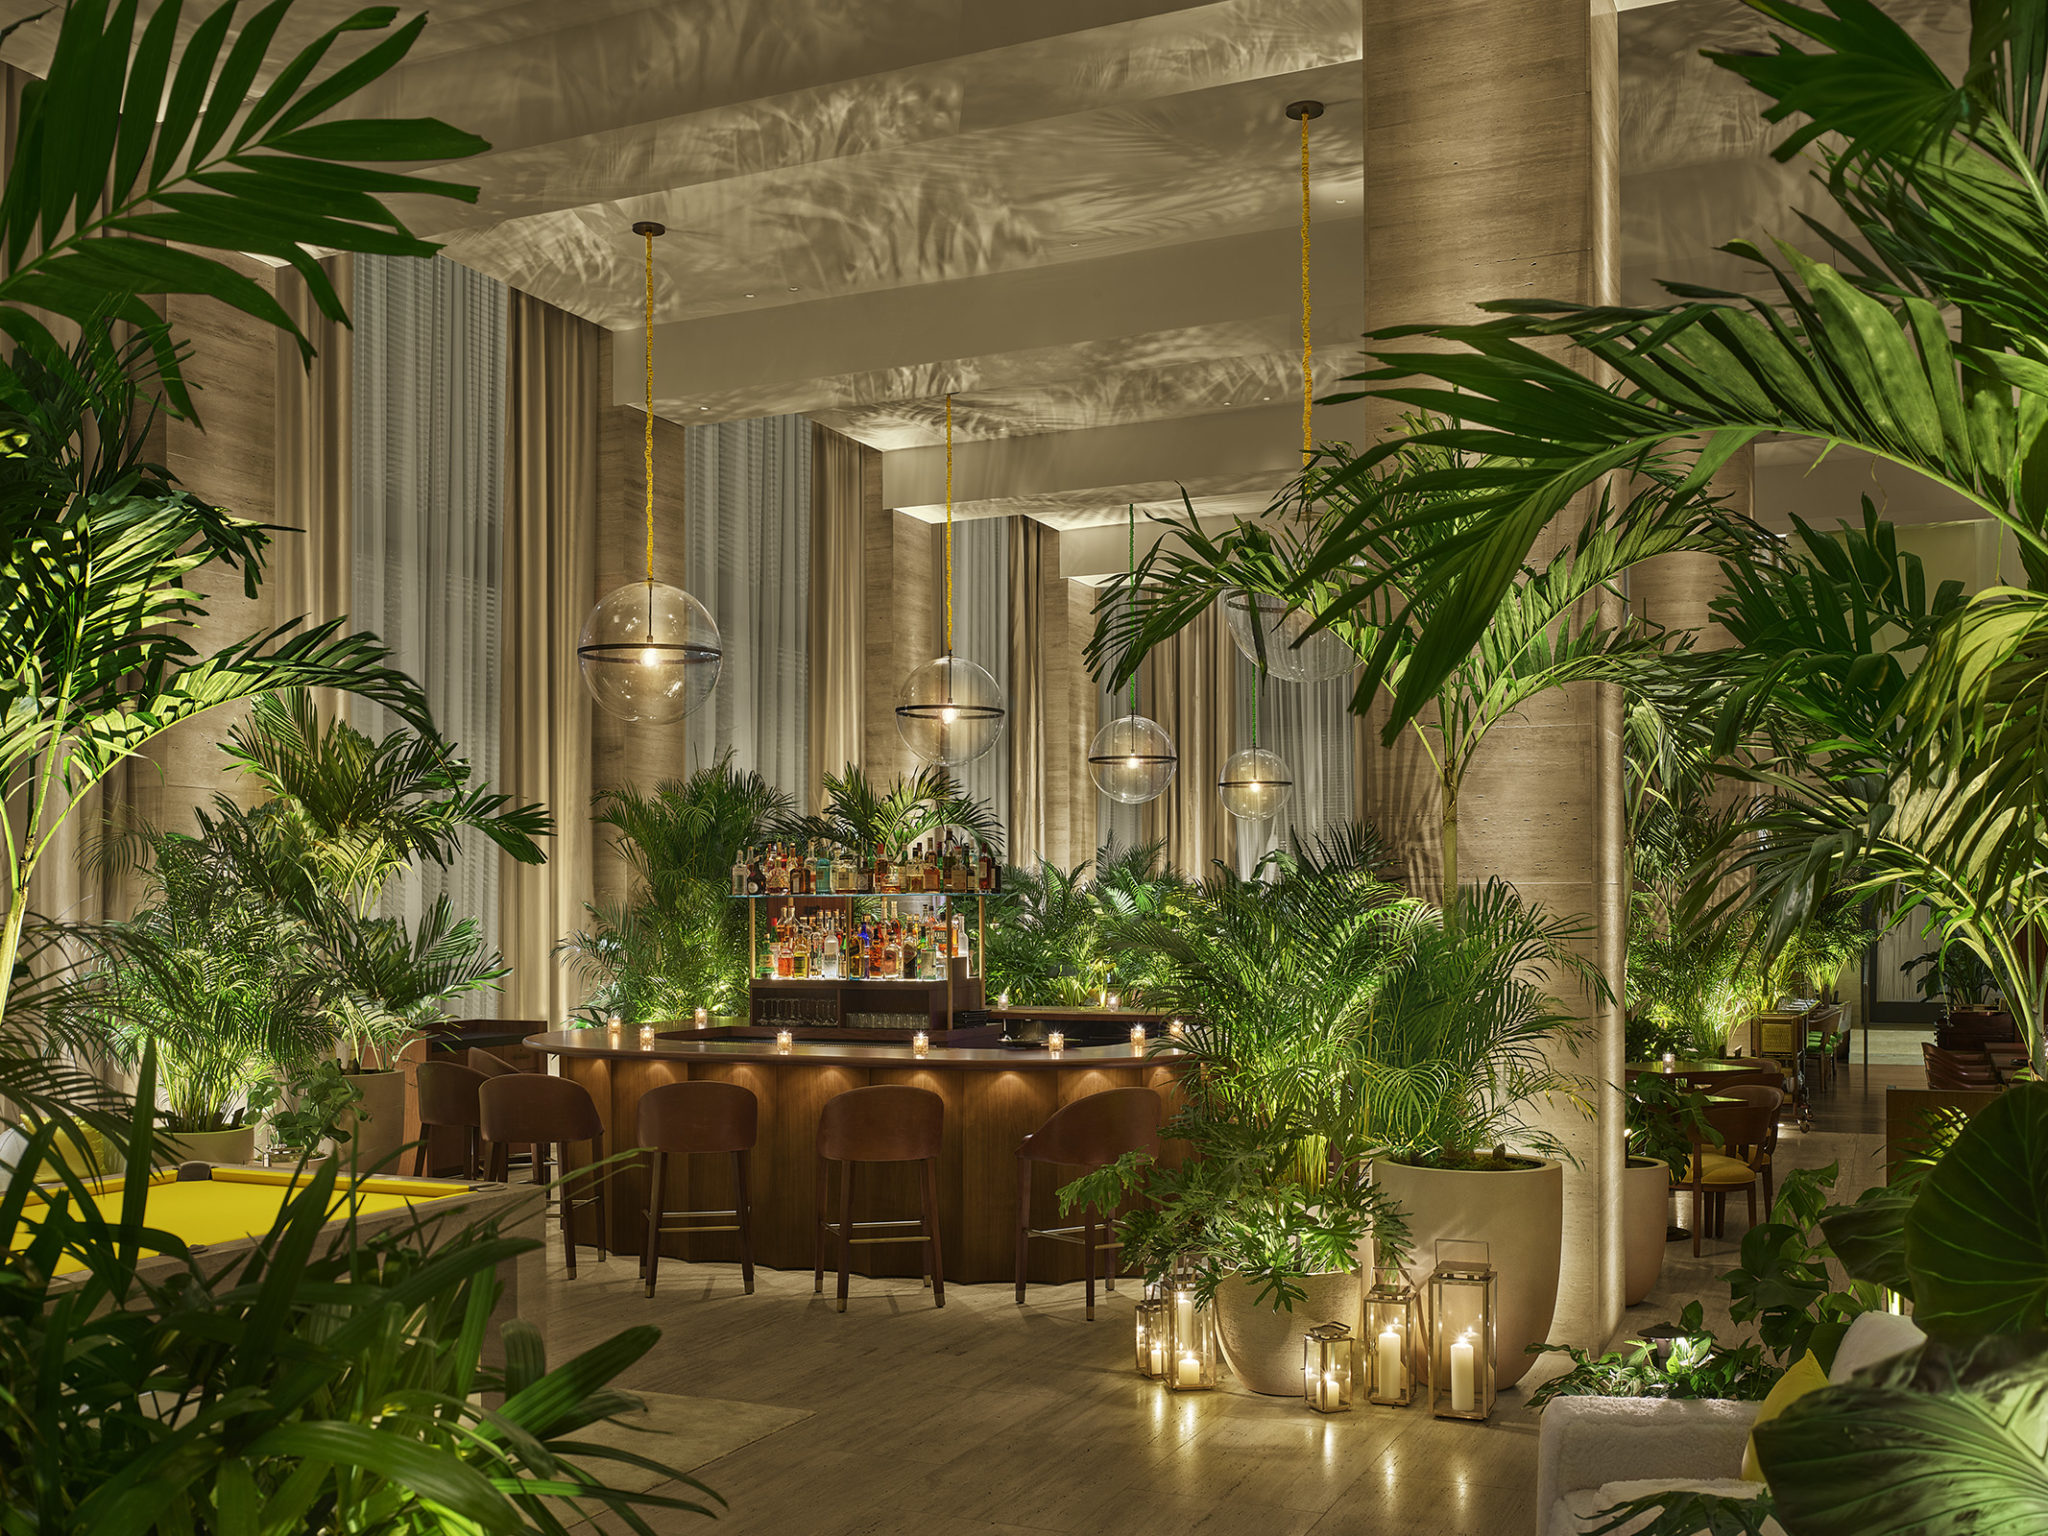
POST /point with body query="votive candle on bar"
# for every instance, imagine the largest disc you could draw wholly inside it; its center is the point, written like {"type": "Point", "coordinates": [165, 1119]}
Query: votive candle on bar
{"type": "Point", "coordinates": [1138, 1037]}
{"type": "Point", "coordinates": [646, 1036]}
{"type": "Point", "coordinates": [703, 1017]}
{"type": "Point", "coordinates": [784, 1040]}
{"type": "Point", "coordinates": [1055, 1041]}
{"type": "Point", "coordinates": [921, 1043]}
{"type": "Point", "coordinates": [1114, 1000]}
{"type": "Point", "coordinates": [1176, 1030]}
{"type": "Point", "coordinates": [612, 1027]}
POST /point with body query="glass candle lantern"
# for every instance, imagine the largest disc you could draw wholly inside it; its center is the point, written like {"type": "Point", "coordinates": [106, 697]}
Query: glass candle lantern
{"type": "Point", "coordinates": [1151, 1338]}
{"type": "Point", "coordinates": [1464, 1295]}
{"type": "Point", "coordinates": [784, 1039]}
{"type": "Point", "coordinates": [1055, 1041]}
{"type": "Point", "coordinates": [646, 1036]}
{"type": "Point", "coordinates": [921, 1043]}
{"type": "Point", "coordinates": [1137, 1037]}
{"type": "Point", "coordinates": [1113, 1000]}
{"type": "Point", "coordinates": [1326, 1368]}
{"type": "Point", "coordinates": [1176, 1030]}
{"type": "Point", "coordinates": [701, 1017]}
{"type": "Point", "coordinates": [1191, 1350]}
{"type": "Point", "coordinates": [612, 1027]}
{"type": "Point", "coordinates": [1389, 1368]}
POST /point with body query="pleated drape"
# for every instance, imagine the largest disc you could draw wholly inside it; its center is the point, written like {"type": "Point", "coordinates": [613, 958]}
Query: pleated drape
{"type": "Point", "coordinates": [550, 584]}
{"type": "Point", "coordinates": [429, 467]}
{"type": "Point", "coordinates": [1310, 726]}
{"type": "Point", "coordinates": [838, 608]}
{"type": "Point", "coordinates": [981, 634]}
{"type": "Point", "coordinates": [1029, 545]}
{"type": "Point", "coordinates": [748, 504]}
{"type": "Point", "coordinates": [1191, 696]}
{"type": "Point", "coordinates": [312, 571]}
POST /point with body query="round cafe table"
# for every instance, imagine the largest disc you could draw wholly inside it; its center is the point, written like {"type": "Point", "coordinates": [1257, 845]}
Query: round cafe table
{"type": "Point", "coordinates": [1701, 1073]}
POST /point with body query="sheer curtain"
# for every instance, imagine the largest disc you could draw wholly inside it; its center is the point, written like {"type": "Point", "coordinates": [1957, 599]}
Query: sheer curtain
{"type": "Point", "coordinates": [838, 675]}
{"type": "Point", "coordinates": [981, 634]}
{"type": "Point", "coordinates": [1309, 725]}
{"type": "Point", "coordinates": [747, 488]}
{"type": "Point", "coordinates": [429, 397]}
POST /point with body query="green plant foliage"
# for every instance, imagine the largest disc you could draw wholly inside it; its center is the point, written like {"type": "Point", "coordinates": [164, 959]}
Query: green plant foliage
{"type": "Point", "coordinates": [1698, 1365]}
{"type": "Point", "coordinates": [1663, 1117]}
{"type": "Point", "coordinates": [314, 1106]}
{"type": "Point", "coordinates": [864, 818]}
{"type": "Point", "coordinates": [1977, 1234]}
{"type": "Point", "coordinates": [1048, 944]}
{"type": "Point", "coordinates": [1782, 1283]}
{"type": "Point", "coordinates": [1690, 1514]}
{"type": "Point", "coordinates": [1943, 1441]}
{"type": "Point", "coordinates": [322, 1382]}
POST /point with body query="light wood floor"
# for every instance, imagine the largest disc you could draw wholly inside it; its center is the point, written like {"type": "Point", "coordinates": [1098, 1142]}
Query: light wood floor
{"type": "Point", "coordinates": [988, 1419]}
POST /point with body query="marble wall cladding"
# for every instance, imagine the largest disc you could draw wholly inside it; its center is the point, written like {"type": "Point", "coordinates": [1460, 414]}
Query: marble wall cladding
{"type": "Point", "coordinates": [899, 559]}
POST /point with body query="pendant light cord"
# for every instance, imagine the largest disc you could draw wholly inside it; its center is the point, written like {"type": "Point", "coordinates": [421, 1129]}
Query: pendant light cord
{"type": "Point", "coordinates": [1307, 383]}
{"type": "Point", "coordinates": [949, 526]}
{"type": "Point", "coordinates": [647, 456]}
{"type": "Point", "coordinates": [1131, 581]}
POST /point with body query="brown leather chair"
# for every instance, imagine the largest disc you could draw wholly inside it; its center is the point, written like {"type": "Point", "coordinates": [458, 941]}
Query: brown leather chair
{"type": "Point", "coordinates": [534, 1109]}
{"type": "Point", "coordinates": [684, 1120]}
{"type": "Point", "coordinates": [1712, 1174]}
{"type": "Point", "coordinates": [888, 1123]}
{"type": "Point", "coordinates": [1758, 1070]}
{"type": "Point", "coordinates": [1952, 1070]}
{"type": "Point", "coordinates": [1760, 1155]}
{"type": "Point", "coordinates": [448, 1097]}
{"type": "Point", "coordinates": [481, 1060]}
{"type": "Point", "coordinates": [1088, 1134]}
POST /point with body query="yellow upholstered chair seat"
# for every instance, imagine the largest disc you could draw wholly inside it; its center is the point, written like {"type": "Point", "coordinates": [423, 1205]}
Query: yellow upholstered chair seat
{"type": "Point", "coordinates": [1720, 1169]}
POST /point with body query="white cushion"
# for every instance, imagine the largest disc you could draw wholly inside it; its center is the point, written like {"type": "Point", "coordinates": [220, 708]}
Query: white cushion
{"type": "Point", "coordinates": [1872, 1339]}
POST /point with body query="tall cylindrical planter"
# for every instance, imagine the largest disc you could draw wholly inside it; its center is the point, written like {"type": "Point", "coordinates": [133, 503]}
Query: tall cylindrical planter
{"type": "Point", "coordinates": [1645, 1216]}
{"type": "Point", "coordinates": [377, 1127]}
{"type": "Point", "coordinates": [1263, 1345]}
{"type": "Point", "coordinates": [235, 1146]}
{"type": "Point", "coordinates": [1517, 1212]}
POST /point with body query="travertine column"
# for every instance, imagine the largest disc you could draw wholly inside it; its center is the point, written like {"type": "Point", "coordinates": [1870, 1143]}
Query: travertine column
{"type": "Point", "coordinates": [1674, 590]}
{"type": "Point", "coordinates": [900, 559]}
{"type": "Point", "coordinates": [1491, 173]}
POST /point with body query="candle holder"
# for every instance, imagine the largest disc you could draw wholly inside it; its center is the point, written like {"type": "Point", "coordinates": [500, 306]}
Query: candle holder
{"type": "Point", "coordinates": [1002, 1000]}
{"type": "Point", "coordinates": [1151, 1338]}
{"type": "Point", "coordinates": [702, 1017]}
{"type": "Point", "coordinates": [1326, 1368]}
{"type": "Point", "coordinates": [1191, 1350]}
{"type": "Point", "coordinates": [921, 1043]}
{"type": "Point", "coordinates": [1055, 1041]}
{"type": "Point", "coordinates": [1176, 1030]}
{"type": "Point", "coordinates": [646, 1036]}
{"type": "Point", "coordinates": [1464, 1295]}
{"type": "Point", "coordinates": [1669, 1062]}
{"type": "Point", "coordinates": [612, 1027]}
{"type": "Point", "coordinates": [783, 1041]}
{"type": "Point", "coordinates": [1390, 1339]}
{"type": "Point", "coordinates": [1137, 1037]}
{"type": "Point", "coordinates": [1113, 1001]}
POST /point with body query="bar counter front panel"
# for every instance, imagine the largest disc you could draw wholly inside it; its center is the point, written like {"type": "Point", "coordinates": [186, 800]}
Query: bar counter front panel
{"type": "Point", "coordinates": [994, 1098]}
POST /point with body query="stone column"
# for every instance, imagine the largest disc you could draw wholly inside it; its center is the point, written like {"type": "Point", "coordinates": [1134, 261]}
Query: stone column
{"type": "Point", "coordinates": [1491, 172]}
{"type": "Point", "coordinates": [1674, 590]}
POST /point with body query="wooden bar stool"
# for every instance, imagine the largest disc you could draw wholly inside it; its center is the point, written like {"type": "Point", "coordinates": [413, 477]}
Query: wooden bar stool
{"type": "Point", "coordinates": [1088, 1134]}
{"type": "Point", "coordinates": [534, 1109]}
{"type": "Point", "coordinates": [686, 1119]}
{"type": "Point", "coordinates": [888, 1123]}
{"type": "Point", "coordinates": [481, 1060]}
{"type": "Point", "coordinates": [448, 1097]}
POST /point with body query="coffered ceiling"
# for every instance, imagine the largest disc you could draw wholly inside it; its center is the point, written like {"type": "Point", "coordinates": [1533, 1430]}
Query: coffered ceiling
{"type": "Point", "coordinates": [1079, 216]}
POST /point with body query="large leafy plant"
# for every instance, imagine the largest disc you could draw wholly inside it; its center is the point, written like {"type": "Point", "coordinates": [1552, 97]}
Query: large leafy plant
{"type": "Point", "coordinates": [1048, 945]}
{"type": "Point", "coordinates": [1692, 1364]}
{"type": "Point", "coordinates": [866, 818]}
{"type": "Point", "coordinates": [139, 155]}
{"type": "Point", "coordinates": [323, 1381]}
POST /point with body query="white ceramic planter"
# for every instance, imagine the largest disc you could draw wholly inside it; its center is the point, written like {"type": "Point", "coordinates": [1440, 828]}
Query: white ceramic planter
{"type": "Point", "coordinates": [373, 1143]}
{"type": "Point", "coordinates": [1645, 1213]}
{"type": "Point", "coordinates": [1518, 1213]}
{"type": "Point", "coordinates": [236, 1146]}
{"type": "Point", "coordinates": [1262, 1345]}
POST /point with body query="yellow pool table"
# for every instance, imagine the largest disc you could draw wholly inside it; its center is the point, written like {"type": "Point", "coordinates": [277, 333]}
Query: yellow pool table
{"type": "Point", "coordinates": [236, 1205]}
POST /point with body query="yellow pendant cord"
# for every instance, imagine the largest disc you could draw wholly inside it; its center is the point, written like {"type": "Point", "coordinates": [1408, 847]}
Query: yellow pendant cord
{"type": "Point", "coordinates": [1307, 381]}
{"type": "Point", "coordinates": [647, 465]}
{"type": "Point", "coordinates": [949, 524]}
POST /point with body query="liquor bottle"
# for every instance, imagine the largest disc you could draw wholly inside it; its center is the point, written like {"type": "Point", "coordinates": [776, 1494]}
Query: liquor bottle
{"type": "Point", "coordinates": [757, 878]}
{"type": "Point", "coordinates": [832, 949]}
{"type": "Point", "coordinates": [984, 871]}
{"type": "Point", "coordinates": [887, 876]}
{"type": "Point", "coordinates": [778, 872]}
{"type": "Point", "coordinates": [842, 872]}
{"type": "Point", "coordinates": [956, 881]}
{"type": "Point", "coordinates": [739, 874]}
{"type": "Point", "coordinates": [821, 870]}
{"type": "Point", "coordinates": [783, 958]}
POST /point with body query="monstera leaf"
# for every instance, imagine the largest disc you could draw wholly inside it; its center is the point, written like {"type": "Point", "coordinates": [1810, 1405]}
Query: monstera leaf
{"type": "Point", "coordinates": [1940, 1442]}
{"type": "Point", "coordinates": [1977, 1236]}
{"type": "Point", "coordinates": [1869, 1237]}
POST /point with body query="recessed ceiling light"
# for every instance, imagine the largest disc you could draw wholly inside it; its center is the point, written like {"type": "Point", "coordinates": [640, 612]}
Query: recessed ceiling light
{"type": "Point", "coordinates": [703, 407]}
{"type": "Point", "coordinates": [792, 287]}
{"type": "Point", "coordinates": [746, 295]}
{"type": "Point", "coordinates": [1340, 199]}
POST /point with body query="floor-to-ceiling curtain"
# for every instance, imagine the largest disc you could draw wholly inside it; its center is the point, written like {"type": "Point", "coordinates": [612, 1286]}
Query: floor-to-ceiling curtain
{"type": "Point", "coordinates": [550, 583]}
{"type": "Point", "coordinates": [1309, 726]}
{"type": "Point", "coordinates": [837, 646]}
{"type": "Point", "coordinates": [981, 634]}
{"type": "Point", "coordinates": [429, 471]}
{"type": "Point", "coordinates": [1032, 546]}
{"type": "Point", "coordinates": [747, 492]}
{"type": "Point", "coordinates": [1117, 823]}
{"type": "Point", "coordinates": [312, 571]}
{"type": "Point", "coordinates": [1191, 678]}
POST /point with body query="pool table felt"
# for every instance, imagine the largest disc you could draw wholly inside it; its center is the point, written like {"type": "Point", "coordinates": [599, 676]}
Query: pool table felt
{"type": "Point", "coordinates": [238, 1203]}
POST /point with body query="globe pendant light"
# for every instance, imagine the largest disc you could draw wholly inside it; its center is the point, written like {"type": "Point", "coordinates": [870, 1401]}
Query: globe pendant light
{"type": "Point", "coordinates": [1267, 630]}
{"type": "Point", "coordinates": [1132, 759]}
{"type": "Point", "coordinates": [1255, 784]}
{"type": "Point", "coordinates": [950, 711]}
{"type": "Point", "coordinates": [649, 651]}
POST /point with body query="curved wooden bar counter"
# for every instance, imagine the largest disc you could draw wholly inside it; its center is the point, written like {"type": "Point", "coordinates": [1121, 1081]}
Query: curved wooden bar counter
{"type": "Point", "coordinates": [994, 1098]}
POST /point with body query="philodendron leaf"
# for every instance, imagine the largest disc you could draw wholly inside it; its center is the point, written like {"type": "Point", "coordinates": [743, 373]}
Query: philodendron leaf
{"type": "Point", "coordinates": [1977, 1236]}
{"type": "Point", "coordinates": [1939, 1442]}
{"type": "Point", "coordinates": [1869, 1237]}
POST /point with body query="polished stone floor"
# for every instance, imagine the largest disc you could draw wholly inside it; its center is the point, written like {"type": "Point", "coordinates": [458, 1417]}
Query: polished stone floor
{"type": "Point", "coordinates": [988, 1418]}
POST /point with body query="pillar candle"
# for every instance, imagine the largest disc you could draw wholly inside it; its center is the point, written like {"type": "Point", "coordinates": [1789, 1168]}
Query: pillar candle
{"type": "Point", "coordinates": [1391, 1364]}
{"type": "Point", "coordinates": [1464, 1399]}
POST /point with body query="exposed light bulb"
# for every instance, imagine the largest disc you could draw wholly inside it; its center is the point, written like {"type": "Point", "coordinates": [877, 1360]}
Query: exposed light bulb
{"type": "Point", "coordinates": [650, 657]}
{"type": "Point", "coordinates": [948, 715]}
{"type": "Point", "coordinates": [1130, 762]}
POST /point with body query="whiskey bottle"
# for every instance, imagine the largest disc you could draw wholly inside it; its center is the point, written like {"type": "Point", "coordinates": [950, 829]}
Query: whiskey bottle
{"type": "Point", "coordinates": [757, 879]}
{"type": "Point", "coordinates": [778, 872]}
{"type": "Point", "coordinates": [739, 874]}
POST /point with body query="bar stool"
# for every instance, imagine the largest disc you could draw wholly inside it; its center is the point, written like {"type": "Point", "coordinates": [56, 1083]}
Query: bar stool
{"type": "Point", "coordinates": [481, 1060]}
{"type": "Point", "coordinates": [448, 1097]}
{"type": "Point", "coordinates": [1089, 1133]}
{"type": "Point", "coordinates": [537, 1110]}
{"type": "Point", "coordinates": [685, 1119]}
{"type": "Point", "coordinates": [888, 1123]}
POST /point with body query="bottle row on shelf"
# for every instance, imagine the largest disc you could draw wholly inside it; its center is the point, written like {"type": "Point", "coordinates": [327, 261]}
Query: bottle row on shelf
{"type": "Point", "coordinates": [947, 867]}
{"type": "Point", "coordinates": [889, 947]}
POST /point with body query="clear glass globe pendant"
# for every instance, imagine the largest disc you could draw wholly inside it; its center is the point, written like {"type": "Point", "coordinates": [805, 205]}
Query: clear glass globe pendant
{"type": "Point", "coordinates": [1269, 635]}
{"type": "Point", "coordinates": [1255, 784]}
{"type": "Point", "coordinates": [649, 652]}
{"type": "Point", "coordinates": [1132, 759]}
{"type": "Point", "coordinates": [950, 711]}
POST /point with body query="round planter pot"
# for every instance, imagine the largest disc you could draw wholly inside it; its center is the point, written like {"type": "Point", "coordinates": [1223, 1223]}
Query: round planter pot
{"type": "Point", "coordinates": [1262, 1345]}
{"type": "Point", "coordinates": [236, 1146]}
{"type": "Point", "coordinates": [1645, 1214]}
{"type": "Point", "coordinates": [375, 1138]}
{"type": "Point", "coordinates": [1518, 1213]}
